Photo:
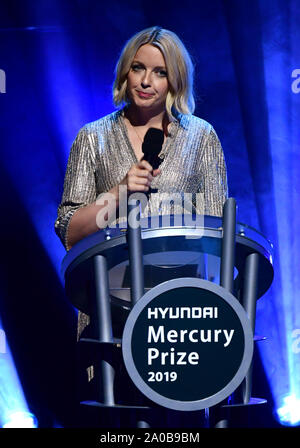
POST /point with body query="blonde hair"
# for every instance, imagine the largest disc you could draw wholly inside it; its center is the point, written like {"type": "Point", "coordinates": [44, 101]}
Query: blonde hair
{"type": "Point", "coordinates": [180, 70]}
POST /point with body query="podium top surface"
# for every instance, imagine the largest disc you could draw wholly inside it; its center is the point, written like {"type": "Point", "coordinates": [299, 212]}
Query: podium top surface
{"type": "Point", "coordinates": [170, 235]}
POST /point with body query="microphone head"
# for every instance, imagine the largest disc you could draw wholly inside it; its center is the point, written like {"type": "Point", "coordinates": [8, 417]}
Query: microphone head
{"type": "Point", "coordinates": [154, 137]}
{"type": "Point", "coordinates": [152, 145]}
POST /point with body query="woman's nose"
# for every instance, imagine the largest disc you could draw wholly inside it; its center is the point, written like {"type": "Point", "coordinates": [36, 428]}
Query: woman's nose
{"type": "Point", "coordinates": [146, 82]}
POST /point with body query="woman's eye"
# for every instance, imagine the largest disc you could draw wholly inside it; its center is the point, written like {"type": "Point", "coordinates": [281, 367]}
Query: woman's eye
{"type": "Point", "coordinates": [136, 67]}
{"type": "Point", "coordinates": [162, 73]}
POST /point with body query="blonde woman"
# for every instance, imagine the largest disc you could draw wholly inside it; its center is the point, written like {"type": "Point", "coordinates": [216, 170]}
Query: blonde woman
{"type": "Point", "coordinates": [153, 88]}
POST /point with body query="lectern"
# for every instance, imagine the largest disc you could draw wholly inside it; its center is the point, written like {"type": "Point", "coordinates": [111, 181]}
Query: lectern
{"type": "Point", "coordinates": [172, 305]}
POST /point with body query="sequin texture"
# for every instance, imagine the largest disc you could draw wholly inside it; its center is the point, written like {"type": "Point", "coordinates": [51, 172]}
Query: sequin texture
{"type": "Point", "coordinates": [101, 155]}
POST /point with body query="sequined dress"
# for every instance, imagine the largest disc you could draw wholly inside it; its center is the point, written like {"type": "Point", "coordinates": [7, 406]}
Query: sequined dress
{"type": "Point", "coordinates": [101, 155]}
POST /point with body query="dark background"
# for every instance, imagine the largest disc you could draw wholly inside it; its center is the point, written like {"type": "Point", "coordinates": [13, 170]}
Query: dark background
{"type": "Point", "coordinates": [59, 59]}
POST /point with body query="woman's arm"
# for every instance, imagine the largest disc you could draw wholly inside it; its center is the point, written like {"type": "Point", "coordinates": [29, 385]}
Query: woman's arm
{"type": "Point", "coordinates": [84, 221]}
{"type": "Point", "coordinates": [87, 220]}
{"type": "Point", "coordinates": [214, 174]}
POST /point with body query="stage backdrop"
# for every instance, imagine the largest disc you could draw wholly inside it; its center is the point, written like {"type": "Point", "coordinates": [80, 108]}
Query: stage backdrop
{"type": "Point", "coordinates": [57, 60]}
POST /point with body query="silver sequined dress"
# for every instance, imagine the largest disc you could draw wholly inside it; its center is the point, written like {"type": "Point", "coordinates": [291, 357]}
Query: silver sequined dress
{"type": "Point", "coordinates": [101, 155]}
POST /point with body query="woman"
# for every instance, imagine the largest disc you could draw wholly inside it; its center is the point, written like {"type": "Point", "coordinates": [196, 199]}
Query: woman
{"type": "Point", "coordinates": [154, 83]}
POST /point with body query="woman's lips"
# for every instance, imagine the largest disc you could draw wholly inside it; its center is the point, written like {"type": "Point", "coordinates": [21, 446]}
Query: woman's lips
{"type": "Point", "coordinates": [144, 95]}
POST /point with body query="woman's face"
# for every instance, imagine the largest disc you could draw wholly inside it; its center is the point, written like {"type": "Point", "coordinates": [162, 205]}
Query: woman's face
{"type": "Point", "coordinates": [147, 82]}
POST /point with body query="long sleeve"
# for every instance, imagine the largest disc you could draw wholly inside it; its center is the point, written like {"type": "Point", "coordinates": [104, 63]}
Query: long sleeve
{"type": "Point", "coordinates": [101, 155]}
{"type": "Point", "coordinates": [79, 184]}
{"type": "Point", "coordinates": [214, 174]}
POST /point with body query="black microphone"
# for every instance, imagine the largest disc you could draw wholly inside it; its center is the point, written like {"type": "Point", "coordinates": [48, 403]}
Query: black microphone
{"type": "Point", "coordinates": [152, 145]}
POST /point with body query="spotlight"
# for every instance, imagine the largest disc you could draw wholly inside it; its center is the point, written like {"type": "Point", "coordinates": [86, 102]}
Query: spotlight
{"type": "Point", "coordinates": [289, 413]}
{"type": "Point", "coordinates": [21, 419]}
{"type": "Point", "coordinates": [14, 411]}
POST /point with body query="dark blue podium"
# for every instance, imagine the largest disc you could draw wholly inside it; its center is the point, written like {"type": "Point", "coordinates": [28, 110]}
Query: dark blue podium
{"type": "Point", "coordinates": [108, 273]}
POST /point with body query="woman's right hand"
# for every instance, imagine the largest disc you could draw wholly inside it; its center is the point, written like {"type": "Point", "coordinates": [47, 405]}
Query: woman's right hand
{"type": "Point", "coordinates": [139, 177]}
{"type": "Point", "coordinates": [85, 220]}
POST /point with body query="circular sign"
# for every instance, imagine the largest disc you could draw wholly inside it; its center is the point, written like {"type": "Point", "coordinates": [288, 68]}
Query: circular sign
{"type": "Point", "coordinates": [187, 344]}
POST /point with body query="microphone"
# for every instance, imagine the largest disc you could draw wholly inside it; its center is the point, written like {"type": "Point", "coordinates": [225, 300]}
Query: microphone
{"type": "Point", "coordinates": [152, 145]}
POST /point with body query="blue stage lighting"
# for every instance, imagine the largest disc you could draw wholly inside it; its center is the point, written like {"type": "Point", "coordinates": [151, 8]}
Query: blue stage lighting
{"type": "Point", "coordinates": [289, 413]}
{"type": "Point", "coordinates": [21, 419]}
{"type": "Point", "coordinates": [14, 412]}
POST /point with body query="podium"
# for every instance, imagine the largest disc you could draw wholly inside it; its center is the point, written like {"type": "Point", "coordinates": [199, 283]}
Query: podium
{"type": "Point", "coordinates": [114, 275]}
